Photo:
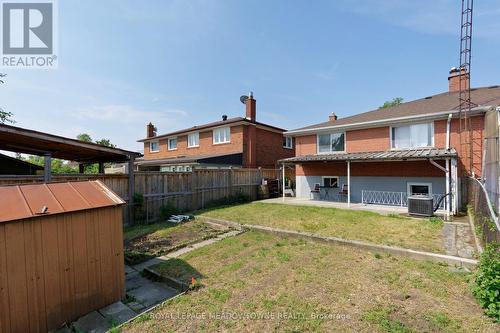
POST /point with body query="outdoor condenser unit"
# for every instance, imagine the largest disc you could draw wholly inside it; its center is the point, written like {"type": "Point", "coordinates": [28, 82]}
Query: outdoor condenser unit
{"type": "Point", "coordinates": [420, 205]}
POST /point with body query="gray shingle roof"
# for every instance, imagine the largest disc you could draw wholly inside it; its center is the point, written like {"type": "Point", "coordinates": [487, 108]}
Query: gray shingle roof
{"type": "Point", "coordinates": [433, 104]}
{"type": "Point", "coordinates": [389, 155]}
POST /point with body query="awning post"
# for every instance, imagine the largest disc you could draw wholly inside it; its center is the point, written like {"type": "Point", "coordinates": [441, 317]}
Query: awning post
{"type": "Point", "coordinates": [47, 169]}
{"type": "Point", "coordinates": [348, 183]}
{"type": "Point", "coordinates": [283, 180]}
{"type": "Point", "coordinates": [131, 189]}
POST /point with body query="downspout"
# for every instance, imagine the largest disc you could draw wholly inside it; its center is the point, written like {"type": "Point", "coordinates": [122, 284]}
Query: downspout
{"type": "Point", "coordinates": [448, 201]}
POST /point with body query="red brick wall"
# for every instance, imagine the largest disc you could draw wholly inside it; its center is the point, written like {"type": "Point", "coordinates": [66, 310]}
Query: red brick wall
{"type": "Point", "coordinates": [305, 145]}
{"type": "Point", "coordinates": [375, 169]}
{"type": "Point", "coordinates": [269, 148]}
{"type": "Point", "coordinates": [206, 146]}
{"type": "Point", "coordinates": [371, 139]}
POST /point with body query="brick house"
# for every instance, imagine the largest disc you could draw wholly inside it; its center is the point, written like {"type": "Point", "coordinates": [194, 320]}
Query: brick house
{"type": "Point", "coordinates": [231, 142]}
{"type": "Point", "coordinates": [385, 155]}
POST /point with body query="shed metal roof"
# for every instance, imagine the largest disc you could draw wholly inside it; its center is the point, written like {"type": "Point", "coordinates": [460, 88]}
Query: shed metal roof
{"type": "Point", "coordinates": [389, 155]}
{"type": "Point", "coordinates": [25, 201]}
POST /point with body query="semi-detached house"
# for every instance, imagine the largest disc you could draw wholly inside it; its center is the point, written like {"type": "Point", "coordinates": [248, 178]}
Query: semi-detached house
{"type": "Point", "coordinates": [240, 142]}
{"type": "Point", "coordinates": [385, 155]}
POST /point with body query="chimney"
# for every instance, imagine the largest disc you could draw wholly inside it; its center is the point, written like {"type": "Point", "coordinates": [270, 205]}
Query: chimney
{"type": "Point", "coordinates": [454, 79]}
{"type": "Point", "coordinates": [151, 130]}
{"type": "Point", "coordinates": [332, 117]}
{"type": "Point", "coordinates": [250, 107]}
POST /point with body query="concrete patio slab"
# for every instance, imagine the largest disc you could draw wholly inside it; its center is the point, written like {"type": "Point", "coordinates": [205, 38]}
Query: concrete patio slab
{"type": "Point", "coordinates": [92, 322]}
{"type": "Point", "coordinates": [152, 293]}
{"type": "Point", "coordinates": [117, 313]}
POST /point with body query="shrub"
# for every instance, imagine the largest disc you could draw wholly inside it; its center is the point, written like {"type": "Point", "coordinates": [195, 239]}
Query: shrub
{"type": "Point", "coordinates": [234, 199]}
{"type": "Point", "coordinates": [486, 287]}
{"type": "Point", "coordinates": [168, 210]}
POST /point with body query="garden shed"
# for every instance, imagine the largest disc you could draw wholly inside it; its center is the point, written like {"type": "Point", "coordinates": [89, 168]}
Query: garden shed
{"type": "Point", "coordinates": [61, 253]}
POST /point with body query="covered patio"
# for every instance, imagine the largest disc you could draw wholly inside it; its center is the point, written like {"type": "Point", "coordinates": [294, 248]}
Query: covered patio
{"type": "Point", "coordinates": [383, 179]}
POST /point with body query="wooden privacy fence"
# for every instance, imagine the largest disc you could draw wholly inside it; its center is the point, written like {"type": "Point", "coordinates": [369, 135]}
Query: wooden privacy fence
{"type": "Point", "coordinates": [185, 191]}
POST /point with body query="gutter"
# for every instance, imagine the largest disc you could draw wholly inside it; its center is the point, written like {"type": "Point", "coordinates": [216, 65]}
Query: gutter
{"type": "Point", "coordinates": [367, 124]}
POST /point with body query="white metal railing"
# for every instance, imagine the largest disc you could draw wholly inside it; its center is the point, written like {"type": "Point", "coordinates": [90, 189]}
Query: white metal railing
{"type": "Point", "coordinates": [392, 198]}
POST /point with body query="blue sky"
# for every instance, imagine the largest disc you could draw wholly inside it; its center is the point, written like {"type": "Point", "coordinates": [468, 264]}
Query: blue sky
{"type": "Point", "coordinates": [178, 63]}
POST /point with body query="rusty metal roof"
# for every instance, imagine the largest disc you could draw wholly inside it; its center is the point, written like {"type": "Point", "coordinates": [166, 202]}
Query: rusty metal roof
{"type": "Point", "coordinates": [25, 201]}
{"type": "Point", "coordinates": [389, 155]}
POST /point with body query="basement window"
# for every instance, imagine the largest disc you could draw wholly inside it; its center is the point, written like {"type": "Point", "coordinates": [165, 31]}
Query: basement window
{"type": "Point", "coordinates": [423, 189]}
{"type": "Point", "coordinates": [330, 181]}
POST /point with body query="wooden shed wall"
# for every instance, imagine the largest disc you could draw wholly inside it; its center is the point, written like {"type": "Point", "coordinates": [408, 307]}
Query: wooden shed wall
{"type": "Point", "coordinates": [56, 268]}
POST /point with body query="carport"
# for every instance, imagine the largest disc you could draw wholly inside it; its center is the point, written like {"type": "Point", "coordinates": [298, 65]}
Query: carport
{"type": "Point", "coordinates": [26, 141]}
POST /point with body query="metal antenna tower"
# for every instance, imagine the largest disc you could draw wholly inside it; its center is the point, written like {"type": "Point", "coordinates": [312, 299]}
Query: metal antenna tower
{"type": "Point", "coordinates": [465, 104]}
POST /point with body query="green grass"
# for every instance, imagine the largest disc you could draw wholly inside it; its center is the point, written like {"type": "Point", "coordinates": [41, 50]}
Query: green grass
{"type": "Point", "coordinates": [144, 229]}
{"type": "Point", "coordinates": [419, 234]}
{"type": "Point", "coordinates": [314, 287]}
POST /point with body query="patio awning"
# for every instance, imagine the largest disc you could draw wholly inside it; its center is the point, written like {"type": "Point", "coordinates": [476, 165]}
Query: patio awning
{"type": "Point", "coordinates": [389, 155]}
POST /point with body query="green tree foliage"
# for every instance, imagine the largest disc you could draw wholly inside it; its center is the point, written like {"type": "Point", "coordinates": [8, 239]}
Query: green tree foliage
{"type": "Point", "coordinates": [5, 117]}
{"type": "Point", "coordinates": [57, 165]}
{"type": "Point", "coordinates": [84, 137]}
{"type": "Point", "coordinates": [93, 168]}
{"type": "Point", "coordinates": [395, 101]}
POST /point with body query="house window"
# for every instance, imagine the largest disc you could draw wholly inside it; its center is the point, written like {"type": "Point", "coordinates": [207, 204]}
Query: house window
{"type": "Point", "coordinates": [194, 140]}
{"type": "Point", "coordinates": [411, 136]}
{"type": "Point", "coordinates": [154, 146]}
{"type": "Point", "coordinates": [330, 143]}
{"type": "Point", "coordinates": [420, 189]}
{"type": "Point", "coordinates": [221, 135]}
{"type": "Point", "coordinates": [287, 142]}
{"type": "Point", "coordinates": [172, 143]}
{"type": "Point", "coordinates": [329, 181]}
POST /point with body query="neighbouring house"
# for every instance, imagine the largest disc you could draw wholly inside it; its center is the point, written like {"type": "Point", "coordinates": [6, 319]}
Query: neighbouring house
{"type": "Point", "coordinates": [240, 142]}
{"type": "Point", "coordinates": [385, 155]}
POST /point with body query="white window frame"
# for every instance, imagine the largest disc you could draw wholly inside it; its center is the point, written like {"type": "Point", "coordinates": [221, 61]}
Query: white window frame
{"type": "Point", "coordinates": [287, 145]}
{"type": "Point", "coordinates": [228, 138]}
{"type": "Point", "coordinates": [409, 124]}
{"type": "Point", "coordinates": [331, 151]}
{"type": "Point", "coordinates": [151, 146]}
{"type": "Point", "coordinates": [176, 143]}
{"type": "Point", "coordinates": [410, 184]}
{"type": "Point", "coordinates": [198, 140]}
{"type": "Point", "coordinates": [323, 180]}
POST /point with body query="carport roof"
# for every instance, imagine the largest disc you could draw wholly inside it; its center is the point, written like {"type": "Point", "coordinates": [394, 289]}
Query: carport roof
{"type": "Point", "coordinates": [389, 155]}
{"type": "Point", "coordinates": [26, 201]}
{"type": "Point", "coordinates": [21, 140]}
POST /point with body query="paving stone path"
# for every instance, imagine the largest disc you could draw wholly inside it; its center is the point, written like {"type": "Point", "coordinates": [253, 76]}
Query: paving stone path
{"type": "Point", "coordinates": [458, 238]}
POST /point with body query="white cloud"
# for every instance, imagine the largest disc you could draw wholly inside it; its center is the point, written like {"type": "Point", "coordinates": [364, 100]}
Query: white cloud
{"type": "Point", "coordinates": [126, 114]}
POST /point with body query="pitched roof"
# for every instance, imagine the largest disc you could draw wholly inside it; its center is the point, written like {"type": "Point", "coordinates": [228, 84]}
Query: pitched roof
{"type": "Point", "coordinates": [25, 201]}
{"type": "Point", "coordinates": [429, 105]}
{"type": "Point", "coordinates": [389, 155]}
{"type": "Point", "coordinates": [210, 125]}
{"type": "Point", "coordinates": [182, 159]}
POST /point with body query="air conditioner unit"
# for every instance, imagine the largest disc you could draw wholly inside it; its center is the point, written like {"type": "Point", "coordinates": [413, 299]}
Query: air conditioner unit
{"type": "Point", "coordinates": [420, 205]}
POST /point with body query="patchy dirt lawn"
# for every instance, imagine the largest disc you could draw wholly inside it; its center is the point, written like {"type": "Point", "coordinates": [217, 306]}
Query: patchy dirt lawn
{"type": "Point", "coordinates": [150, 241]}
{"type": "Point", "coordinates": [257, 282]}
{"type": "Point", "coordinates": [411, 233]}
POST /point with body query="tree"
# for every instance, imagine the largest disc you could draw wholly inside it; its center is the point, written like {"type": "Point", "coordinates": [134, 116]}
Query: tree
{"type": "Point", "coordinates": [105, 142]}
{"type": "Point", "coordinates": [5, 117]}
{"type": "Point", "coordinates": [395, 101]}
{"type": "Point", "coordinates": [57, 165]}
{"type": "Point", "coordinates": [84, 137]}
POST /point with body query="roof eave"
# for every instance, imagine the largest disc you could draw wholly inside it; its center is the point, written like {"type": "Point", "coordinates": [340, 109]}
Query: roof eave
{"type": "Point", "coordinates": [382, 122]}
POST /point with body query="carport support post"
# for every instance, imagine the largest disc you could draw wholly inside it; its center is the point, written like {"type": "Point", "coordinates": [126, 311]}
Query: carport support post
{"type": "Point", "coordinates": [47, 172]}
{"type": "Point", "coordinates": [283, 179]}
{"type": "Point", "coordinates": [101, 167]}
{"type": "Point", "coordinates": [131, 190]}
{"type": "Point", "coordinates": [348, 183]}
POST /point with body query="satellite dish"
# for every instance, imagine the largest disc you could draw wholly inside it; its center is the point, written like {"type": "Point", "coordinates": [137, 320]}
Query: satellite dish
{"type": "Point", "coordinates": [243, 98]}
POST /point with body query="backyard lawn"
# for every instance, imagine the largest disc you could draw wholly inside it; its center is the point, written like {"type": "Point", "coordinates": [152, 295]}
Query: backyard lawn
{"type": "Point", "coordinates": [258, 282]}
{"type": "Point", "coordinates": [143, 242]}
{"type": "Point", "coordinates": [417, 234]}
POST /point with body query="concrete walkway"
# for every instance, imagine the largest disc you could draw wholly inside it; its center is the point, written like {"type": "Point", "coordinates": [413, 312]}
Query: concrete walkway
{"type": "Point", "coordinates": [458, 238]}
